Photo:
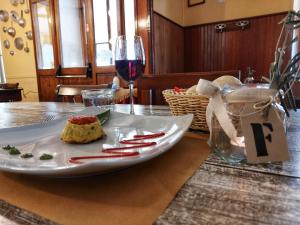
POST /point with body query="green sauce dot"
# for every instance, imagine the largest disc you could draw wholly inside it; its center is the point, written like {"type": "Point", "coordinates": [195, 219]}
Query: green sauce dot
{"type": "Point", "coordinates": [46, 157]}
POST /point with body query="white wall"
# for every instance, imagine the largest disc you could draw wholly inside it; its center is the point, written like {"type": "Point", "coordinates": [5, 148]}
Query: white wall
{"type": "Point", "coordinates": [19, 68]}
{"type": "Point", "coordinates": [216, 10]}
{"type": "Point", "coordinates": [172, 9]}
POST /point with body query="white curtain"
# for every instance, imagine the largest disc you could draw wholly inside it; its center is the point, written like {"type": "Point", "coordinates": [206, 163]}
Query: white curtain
{"type": "Point", "coordinates": [2, 72]}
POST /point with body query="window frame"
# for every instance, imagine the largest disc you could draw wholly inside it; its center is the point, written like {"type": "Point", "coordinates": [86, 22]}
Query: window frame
{"type": "Point", "coordinates": [121, 31]}
{"type": "Point", "coordinates": [56, 42]}
{"type": "Point", "coordinates": [90, 51]}
{"type": "Point", "coordinates": [52, 28]}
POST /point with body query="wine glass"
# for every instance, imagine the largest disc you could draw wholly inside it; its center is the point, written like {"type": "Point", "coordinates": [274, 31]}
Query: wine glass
{"type": "Point", "coordinates": [129, 61]}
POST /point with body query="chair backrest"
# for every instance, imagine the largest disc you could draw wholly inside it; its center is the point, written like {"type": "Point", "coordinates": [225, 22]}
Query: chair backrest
{"type": "Point", "coordinates": [72, 93]}
{"type": "Point", "coordinates": [150, 86]}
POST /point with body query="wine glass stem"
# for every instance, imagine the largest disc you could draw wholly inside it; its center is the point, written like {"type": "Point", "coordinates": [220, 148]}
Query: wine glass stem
{"type": "Point", "coordinates": [131, 83]}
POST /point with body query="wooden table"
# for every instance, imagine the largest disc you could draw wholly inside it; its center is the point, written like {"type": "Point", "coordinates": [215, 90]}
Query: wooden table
{"type": "Point", "coordinates": [217, 193]}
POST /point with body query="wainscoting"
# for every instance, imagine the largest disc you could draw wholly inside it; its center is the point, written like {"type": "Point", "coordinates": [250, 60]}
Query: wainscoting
{"type": "Point", "coordinates": [168, 46]}
{"type": "Point", "coordinates": [204, 49]}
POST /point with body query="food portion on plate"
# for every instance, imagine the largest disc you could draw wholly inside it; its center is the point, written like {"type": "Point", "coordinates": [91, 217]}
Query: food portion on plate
{"type": "Point", "coordinates": [82, 129]}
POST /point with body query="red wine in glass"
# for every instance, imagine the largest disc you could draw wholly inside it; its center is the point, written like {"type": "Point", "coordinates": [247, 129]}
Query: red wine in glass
{"type": "Point", "coordinates": [130, 70]}
{"type": "Point", "coordinates": [129, 61]}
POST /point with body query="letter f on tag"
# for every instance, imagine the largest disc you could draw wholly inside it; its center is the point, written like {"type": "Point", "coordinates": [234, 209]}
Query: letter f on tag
{"type": "Point", "coordinates": [265, 140]}
{"type": "Point", "coordinates": [259, 138]}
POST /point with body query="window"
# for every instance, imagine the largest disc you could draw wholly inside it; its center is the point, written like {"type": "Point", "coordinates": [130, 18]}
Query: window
{"type": "Point", "coordinates": [64, 28]}
{"type": "Point", "coordinates": [106, 30]}
{"type": "Point", "coordinates": [108, 24]}
{"type": "Point", "coordinates": [72, 38]}
{"type": "Point", "coordinates": [43, 35]}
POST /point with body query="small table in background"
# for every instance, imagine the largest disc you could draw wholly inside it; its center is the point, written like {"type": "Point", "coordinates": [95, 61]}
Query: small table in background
{"type": "Point", "coordinates": [10, 95]}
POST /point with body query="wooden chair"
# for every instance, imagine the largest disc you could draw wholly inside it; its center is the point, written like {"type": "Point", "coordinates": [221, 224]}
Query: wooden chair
{"type": "Point", "coordinates": [72, 93]}
{"type": "Point", "coordinates": [150, 86]}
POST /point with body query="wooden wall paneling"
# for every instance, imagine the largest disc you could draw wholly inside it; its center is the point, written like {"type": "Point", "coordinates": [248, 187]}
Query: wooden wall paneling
{"type": "Point", "coordinates": [144, 17]}
{"type": "Point", "coordinates": [108, 78]}
{"type": "Point", "coordinates": [47, 86]}
{"type": "Point", "coordinates": [156, 83]}
{"type": "Point", "coordinates": [75, 80]}
{"type": "Point", "coordinates": [105, 78]}
{"type": "Point", "coordinates": [48, 83]}
{"type": "Point", "coordinates": [168, 45]}
{"type": "Point", "coordinates": [207, 50]}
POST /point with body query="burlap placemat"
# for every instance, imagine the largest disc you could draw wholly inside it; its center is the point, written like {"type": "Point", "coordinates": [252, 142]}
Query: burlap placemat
{"type": "Point", "coordinates": [137, 195]}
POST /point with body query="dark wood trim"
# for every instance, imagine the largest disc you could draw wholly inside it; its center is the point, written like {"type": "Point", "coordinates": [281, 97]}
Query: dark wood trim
{"type": "Point", "coordinates": [194, 4]}
{"type": "Point", "coordinates": [84, 38]}
{"type": "Point", "coordinates": [56, 35]}
{"type": "Point", "coordinates": [105, 69]}
{"type": "Point", "coordinates": [143, 12]}
{"type": "Point", "coordinates": [227, 21]}
{"type": "Point", "coordinates": [168, 19]}
{"type": "Point", "coordinates": [151, 39]}
{"type": "Point", "coordinates": [91, 38]}
{"type": "Point", "coordinates": [30, 2]}
{"type": "Point", "coordinates": [122, 17]}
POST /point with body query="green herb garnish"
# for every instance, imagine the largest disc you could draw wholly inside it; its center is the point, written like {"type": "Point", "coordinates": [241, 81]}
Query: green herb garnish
{"type": "Point", "coordinates": [14, 151]}
{"type": "Point", "coordinates": [104, 116]}
{"type": "Point", "coordinates": [7, 147]}
{"type": "Point", "coordinates": [26, 156]}
{"type": "Point", "coordinates": [46, 157]}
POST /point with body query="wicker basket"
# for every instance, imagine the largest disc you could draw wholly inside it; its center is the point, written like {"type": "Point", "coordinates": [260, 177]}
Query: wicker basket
{"type": "Point", "coordinates": [182, 103]}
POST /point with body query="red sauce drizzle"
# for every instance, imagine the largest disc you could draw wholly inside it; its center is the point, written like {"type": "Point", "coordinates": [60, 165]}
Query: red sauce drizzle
{"type": "Point", "coordinates": [119, 151]}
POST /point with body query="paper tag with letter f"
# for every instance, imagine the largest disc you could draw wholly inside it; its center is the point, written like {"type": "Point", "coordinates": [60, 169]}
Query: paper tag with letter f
{"type": "Point", "coordinates": [265, 140]}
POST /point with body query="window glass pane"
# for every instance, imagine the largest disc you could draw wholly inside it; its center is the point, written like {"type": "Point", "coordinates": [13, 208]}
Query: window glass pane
{"type": "Point", "coordinates": [129, 17]}
{"type": "Point", "coordinates": [43, 35]}
{"type": "Point", "coordinates": [106, 30]}
{"type": "Point", "coordinates": [101, 21]}
{"type": "Point", "coordinates": [104, 54]}
{"type": "Point", "coordinates": [71, 33]}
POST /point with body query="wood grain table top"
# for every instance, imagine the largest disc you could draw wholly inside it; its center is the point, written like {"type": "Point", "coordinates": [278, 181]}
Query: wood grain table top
{"type": "Point", "coordinates": [217, 193]}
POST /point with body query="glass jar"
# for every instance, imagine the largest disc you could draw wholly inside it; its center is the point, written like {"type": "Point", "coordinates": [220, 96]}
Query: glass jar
{"type": "Point", "coordinates": [233, 151]}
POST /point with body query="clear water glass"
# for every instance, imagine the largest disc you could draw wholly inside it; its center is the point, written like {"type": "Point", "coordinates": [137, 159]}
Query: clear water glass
{"type": "Point", "coordinates": [104, 98]}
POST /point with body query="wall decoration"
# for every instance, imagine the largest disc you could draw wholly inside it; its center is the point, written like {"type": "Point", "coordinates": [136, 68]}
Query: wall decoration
{"type": "Point", "coordinates": [192, 3]}
{"type": "Point", "coordinates": [6, 44]}
{"type": "Point", "coordinates": [27, 10]}
{"type": "Point", "coordinates": [4, 16]}
{"type": "Point", "coordinates": [232, 26]}
{"type": "Point", "coordinates": [21, 20]}
{"type": "Point", "coordinates": [14, 16]}
{"type": "Point", "coordinates": [14, 2]}
{"type": "Point", "coordinates": [29, 35]}
{"type": "Point", "coordinates": [19, 43]}
{"type": "Point", "coordinates": [11, 31]}
{"type": "Point", "coordinates": [26, 49]}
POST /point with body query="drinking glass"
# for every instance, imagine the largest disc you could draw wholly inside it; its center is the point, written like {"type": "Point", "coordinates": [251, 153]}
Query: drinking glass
{"type": "Point", "coordinates": [129, 61]}
{"type": "Point", "coordinates": [98, 97]}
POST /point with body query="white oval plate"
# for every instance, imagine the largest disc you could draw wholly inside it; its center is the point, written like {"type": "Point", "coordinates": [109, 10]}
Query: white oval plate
{"type": "Point", "coordinates": [40, 138]}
